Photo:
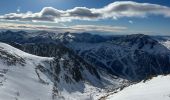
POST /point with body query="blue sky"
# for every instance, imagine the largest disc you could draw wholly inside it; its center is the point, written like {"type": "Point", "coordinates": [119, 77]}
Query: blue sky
{"type": "Point", "coordinates": [133, 18]}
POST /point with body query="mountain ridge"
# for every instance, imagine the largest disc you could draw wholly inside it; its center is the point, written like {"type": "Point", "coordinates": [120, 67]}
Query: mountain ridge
{"type": "Point", "coordinates": [61, 77]}
{"type": "Point", "coordinates": [133, 57]}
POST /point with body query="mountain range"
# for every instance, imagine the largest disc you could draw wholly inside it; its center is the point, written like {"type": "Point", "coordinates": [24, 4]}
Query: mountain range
{"type": "Point", "coordinates": [77, 66]}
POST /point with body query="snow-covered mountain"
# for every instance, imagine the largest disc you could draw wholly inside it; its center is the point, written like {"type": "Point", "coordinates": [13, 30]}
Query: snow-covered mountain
{"type": "Point", "coordinates": [72, 66]}
{"type": "Point", "coordinates": [19, 76]}
{"type": "Point", "coordinates": [65, 76]}
{"type": "Point", "coordinates": [134, 57]}
{"type": "Point", "coordinates": [157, 88]}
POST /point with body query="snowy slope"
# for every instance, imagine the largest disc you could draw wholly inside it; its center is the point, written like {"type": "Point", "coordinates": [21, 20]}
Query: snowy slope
{"type": "Point", "coordinates": [28, 77]}
{"type": "Point", "coordinates": [157, 88]}
{"type": "Point", "coordinates": [166, 43]}
{"type": "Point", "coordinates": [20, 82]}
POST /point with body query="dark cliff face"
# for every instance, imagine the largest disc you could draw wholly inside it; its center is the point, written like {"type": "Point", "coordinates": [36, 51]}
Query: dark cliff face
{"type": "Point", "coordinates": [134, 57]}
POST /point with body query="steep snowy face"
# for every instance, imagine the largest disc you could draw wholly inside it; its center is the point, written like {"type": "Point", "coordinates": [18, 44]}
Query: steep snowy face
{"type": "Point", "coordinates": [64, 76]}
{"type": "Point", "coordinates": [134, 57]}
{"type": "Point", "coordinates": [157, 88]}
{"type": "Point", "coordinates": [19, 78]}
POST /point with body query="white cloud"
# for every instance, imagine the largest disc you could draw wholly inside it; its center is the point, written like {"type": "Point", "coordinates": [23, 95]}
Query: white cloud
{"type": "Point", "coordinates": [133, 9]}
{"type": "Point", "coordinates": [97, 28]}
{"type": "Point", "coordinates": [114, 10]}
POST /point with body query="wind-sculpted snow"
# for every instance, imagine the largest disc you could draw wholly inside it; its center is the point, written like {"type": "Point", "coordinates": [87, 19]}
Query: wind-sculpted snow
{"type": "Point", "coordinates": [157, 88]}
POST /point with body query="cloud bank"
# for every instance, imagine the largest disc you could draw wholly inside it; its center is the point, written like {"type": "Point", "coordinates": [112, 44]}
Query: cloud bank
{"type": "Point", "coordinates": [75, 28]}
{"type": "Point", "coordinates": [114, 10]}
